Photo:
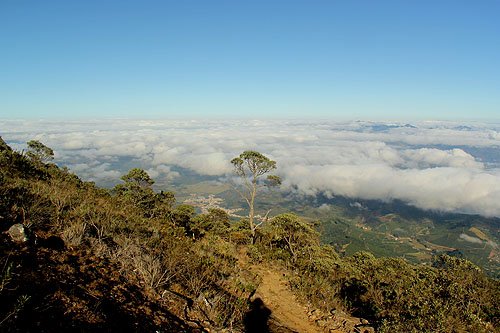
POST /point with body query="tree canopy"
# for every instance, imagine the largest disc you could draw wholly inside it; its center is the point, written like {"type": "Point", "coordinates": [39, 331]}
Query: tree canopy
{"type": "Point", "coordinates": [138, 177]}
{"type": "Point", "coordinates": [39, 152]}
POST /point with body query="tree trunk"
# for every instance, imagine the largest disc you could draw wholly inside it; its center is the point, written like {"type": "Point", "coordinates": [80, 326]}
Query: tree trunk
{"type": "Point", "coordinates": [251, 214]}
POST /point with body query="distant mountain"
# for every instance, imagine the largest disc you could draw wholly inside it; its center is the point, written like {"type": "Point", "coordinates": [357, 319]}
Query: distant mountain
{"type": "Point", "coordinates": [381, 127]}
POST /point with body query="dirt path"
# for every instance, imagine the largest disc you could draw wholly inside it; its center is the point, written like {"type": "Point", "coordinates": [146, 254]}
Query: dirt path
{"type": "Point", "coordinates": [282, 302]}
{"type": "Point", "coordinates": [277, 297]}
{"type": "Point", "coordinates": [288, 315]}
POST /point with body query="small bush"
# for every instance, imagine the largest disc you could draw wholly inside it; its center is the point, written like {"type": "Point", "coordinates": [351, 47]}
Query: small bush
{"type": "Point", "coordinates": [73, 235]}
{"type": "Point", "coordinates": [254, 253]}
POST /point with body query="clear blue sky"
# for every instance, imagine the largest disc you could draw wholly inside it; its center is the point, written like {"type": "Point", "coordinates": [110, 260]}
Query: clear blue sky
{"type": "Point", "coordinates": [341, 59]}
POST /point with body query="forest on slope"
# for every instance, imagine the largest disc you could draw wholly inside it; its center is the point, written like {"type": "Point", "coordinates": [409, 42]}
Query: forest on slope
{"type": "Point", "coordinates": [130, 259]}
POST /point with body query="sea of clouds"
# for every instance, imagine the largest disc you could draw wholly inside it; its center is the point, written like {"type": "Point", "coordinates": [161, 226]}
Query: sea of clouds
{"type": "Point", "coordinates": [445, 166]}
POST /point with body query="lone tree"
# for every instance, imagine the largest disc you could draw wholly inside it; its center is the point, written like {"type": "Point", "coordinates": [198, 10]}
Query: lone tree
{"type": "Point", "coordinates": [251, 166]}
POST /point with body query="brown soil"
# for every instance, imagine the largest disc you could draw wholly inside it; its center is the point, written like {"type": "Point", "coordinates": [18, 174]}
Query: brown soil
{"type": "Point", "coordinates": [276, 295]}
{"type": "Point", "coordinates": [75, 291]}
{"type": "Point", "coordinates": [287, 314]}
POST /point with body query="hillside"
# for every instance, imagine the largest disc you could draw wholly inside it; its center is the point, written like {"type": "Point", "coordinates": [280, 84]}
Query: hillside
{"type": "Point", "coordinates": [82, 258]}
{"type": "Point", "coordinates": [386, 229]}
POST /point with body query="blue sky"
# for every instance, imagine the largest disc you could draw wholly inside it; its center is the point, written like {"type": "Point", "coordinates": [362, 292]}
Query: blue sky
{"type": "Point", "coordinates": [324, 59]}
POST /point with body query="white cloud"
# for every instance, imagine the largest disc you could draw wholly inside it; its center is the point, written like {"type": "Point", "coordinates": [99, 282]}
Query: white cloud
{"type": "Point", "coordinates": [95, 171]}
{"type": "Point", "coordinates": [357, 205]}
{"type": "Point", "coordinates": [429, 165]}
{"type": "Point", "coordinates": [470, 239]}
{"type": "Point", "coordinates": [431, 157]}
{"type": "Point", "coordinates": [163, 171]}
{"type": "Point", "coordinates": [325, 207]}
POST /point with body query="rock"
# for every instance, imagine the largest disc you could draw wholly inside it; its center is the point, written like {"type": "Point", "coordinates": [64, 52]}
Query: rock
{"type": "Point", "coordinates": [321, 323]}
{"type": "Point", "coordinates": [315, 315]}
{"type": "Point", "coordinates": [364, 329]}
{"type": "Point", "coordinates": [18, 233]}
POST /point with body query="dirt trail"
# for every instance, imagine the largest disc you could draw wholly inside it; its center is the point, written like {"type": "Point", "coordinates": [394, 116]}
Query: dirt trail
{"type": "Point", "coordinates": [277, 297]}
{"type": "Point", "coordinates": [282, 302]}
{"type": "Point", "coordinates": [288, 315]}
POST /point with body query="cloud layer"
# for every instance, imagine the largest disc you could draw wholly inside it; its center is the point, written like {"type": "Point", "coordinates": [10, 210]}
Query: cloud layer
{"type": "Point", "coordinates": [431, 165]}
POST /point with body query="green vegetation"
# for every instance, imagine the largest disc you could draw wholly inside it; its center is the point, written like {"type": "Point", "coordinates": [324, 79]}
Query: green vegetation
{"type": "Point", "coordinates": [131, 259]}
{"type": "Point", "coordinates": [38, 152]}
{"type": "Point", "coordinates": [93, 247]}
{"type": "Point", "coordinates": [416, 238]}
{"type": "Point", "coordinates": [452, 295]}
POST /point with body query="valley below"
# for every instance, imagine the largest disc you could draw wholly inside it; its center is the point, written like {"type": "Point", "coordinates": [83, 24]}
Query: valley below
{"type": "Point", "coordinates": [392, 229]}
